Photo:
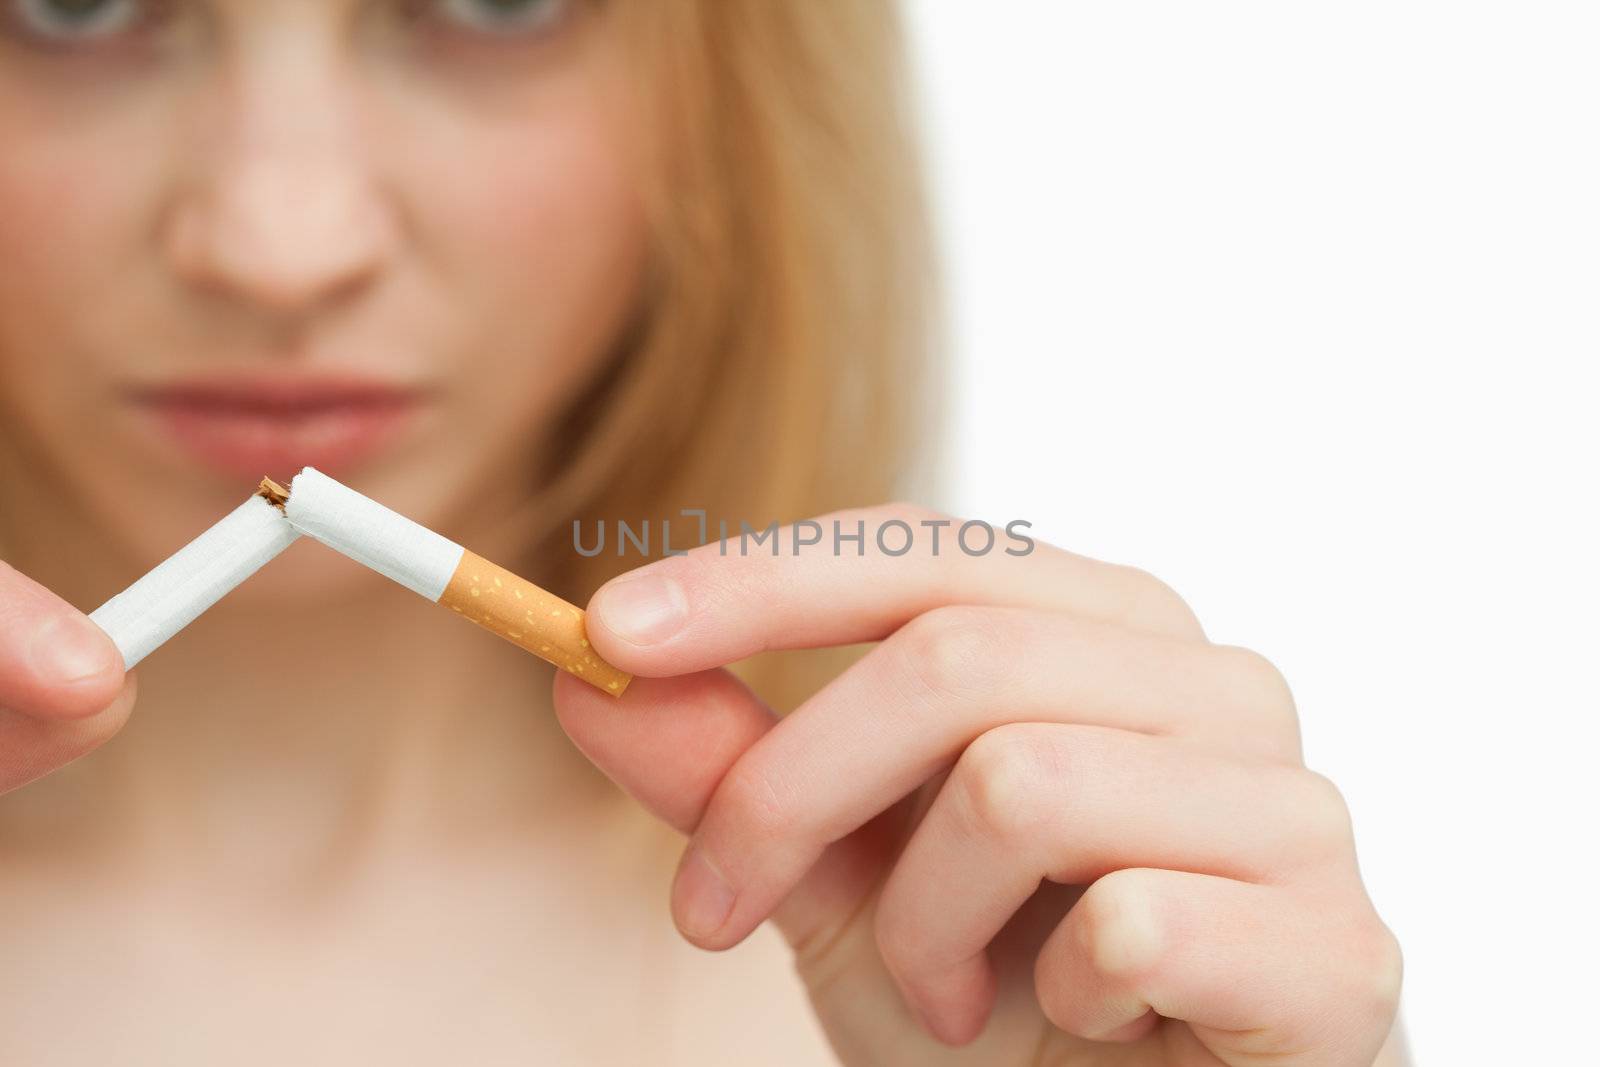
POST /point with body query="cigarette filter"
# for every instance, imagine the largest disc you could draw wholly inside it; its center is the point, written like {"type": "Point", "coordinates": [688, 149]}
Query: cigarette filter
{"type": "Point", "coordinates": [144, 616]}
{"type": "Point", "coordinates": [442, 571]}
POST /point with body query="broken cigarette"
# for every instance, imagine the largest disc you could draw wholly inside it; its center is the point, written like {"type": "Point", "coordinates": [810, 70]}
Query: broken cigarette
{"type": "Point", "coordinates": [143, 617]}
{"type": "Point", "coordinates": [444, 572]}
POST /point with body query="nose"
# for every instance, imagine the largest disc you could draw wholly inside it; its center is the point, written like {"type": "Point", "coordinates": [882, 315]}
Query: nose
{"type": "Point", "coordinates": [281, 211]}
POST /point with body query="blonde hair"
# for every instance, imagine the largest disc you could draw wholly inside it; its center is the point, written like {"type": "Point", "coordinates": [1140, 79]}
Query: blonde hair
{"type": "Point", "coordinates": [780, 363]}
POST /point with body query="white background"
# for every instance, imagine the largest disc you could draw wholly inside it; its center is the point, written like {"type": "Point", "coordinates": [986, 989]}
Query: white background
{"type": "Point", "coordinates": [1297, 305]}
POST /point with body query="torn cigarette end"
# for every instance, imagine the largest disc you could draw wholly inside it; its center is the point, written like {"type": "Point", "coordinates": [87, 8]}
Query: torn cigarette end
{"type": "Point", "coordinates": [273, 493]}
{"type": "Point", "coordinates": [144, 616]}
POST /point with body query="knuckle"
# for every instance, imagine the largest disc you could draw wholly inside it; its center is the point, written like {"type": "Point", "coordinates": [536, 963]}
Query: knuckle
{"type": "Point", "coordinates": [1324, 815]}
{"type": "Point", "coordinates": [1012, 781]}
{"type": "Point", "coordinates": [1118, 924]}
{"type": "Point", "coordinates": [1385, 972]}
{"type": "Point", "coordinates": [1152, 605]}
{"type": "Point", "coordinates": [1374, 969]}
{"type": "Point", "coordinates": [1260, 678]}
{"type": "Point", "coordinates": [1263, 694]}
{"type": "Point", "coordinates": [749, 797]}
{"type": "Point", "coordinates": [1264, 683]}
{"type": "Point", "coordinates": [954, 650]}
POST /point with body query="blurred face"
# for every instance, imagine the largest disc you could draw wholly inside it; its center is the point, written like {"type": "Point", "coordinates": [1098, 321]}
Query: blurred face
{"type": "Point", "coordinates": [387, 238]}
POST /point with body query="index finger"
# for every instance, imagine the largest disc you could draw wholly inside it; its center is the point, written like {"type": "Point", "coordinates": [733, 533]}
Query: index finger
{"type": "Point", "coordinates": [721, 603]}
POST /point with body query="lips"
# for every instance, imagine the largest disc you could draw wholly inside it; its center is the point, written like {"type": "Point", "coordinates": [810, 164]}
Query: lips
{"type": "Point", "coordinates": [248, 428]}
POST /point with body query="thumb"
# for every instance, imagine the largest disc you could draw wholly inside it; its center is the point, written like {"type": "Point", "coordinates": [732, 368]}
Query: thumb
{"type": "Point", "coordinates": [62, 687]}
{"type": "Point", "coordinates": [670, 742]}
{"type": "Point", "coordinates": [55, 663]}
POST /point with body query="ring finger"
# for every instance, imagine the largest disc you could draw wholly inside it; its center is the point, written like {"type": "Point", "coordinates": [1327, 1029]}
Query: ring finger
{"type": "Point", "coordinates": [1032, 801]}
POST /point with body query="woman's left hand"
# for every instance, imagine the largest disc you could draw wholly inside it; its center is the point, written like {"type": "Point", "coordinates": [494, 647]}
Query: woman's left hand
{"type": "Point", "coordinates": [1044, 814]}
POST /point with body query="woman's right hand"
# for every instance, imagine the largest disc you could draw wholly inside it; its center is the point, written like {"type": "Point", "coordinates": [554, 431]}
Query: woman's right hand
{"type": "Point", "coordinates": [63, 691]}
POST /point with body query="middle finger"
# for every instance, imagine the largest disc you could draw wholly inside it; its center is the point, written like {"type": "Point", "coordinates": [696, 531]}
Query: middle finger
{"type": "Point", "coordinates": [909, 707]}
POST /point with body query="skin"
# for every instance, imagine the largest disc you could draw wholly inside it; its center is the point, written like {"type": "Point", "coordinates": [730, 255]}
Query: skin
{"type": "Point", "coordinates": [1044, 821]}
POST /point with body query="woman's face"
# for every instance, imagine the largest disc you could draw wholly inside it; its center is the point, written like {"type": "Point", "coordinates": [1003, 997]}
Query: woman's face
{"type": "Point", "coordinates": [386, 238]}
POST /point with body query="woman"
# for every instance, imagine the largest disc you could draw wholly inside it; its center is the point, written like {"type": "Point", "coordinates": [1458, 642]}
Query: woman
{"type": "Point", "coordinates": [506, 265]}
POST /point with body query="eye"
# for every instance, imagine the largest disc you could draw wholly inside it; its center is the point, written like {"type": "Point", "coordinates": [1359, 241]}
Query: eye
{"type": "Point", "coordinates": [503, 16]}
{"type": "Point", "coordinates": [74, 20]}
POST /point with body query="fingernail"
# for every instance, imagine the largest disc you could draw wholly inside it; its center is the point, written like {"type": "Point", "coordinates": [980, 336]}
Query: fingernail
{"type": "Point", "coordinates": [69, 649]}
{"type": "Point", "coordinates": [645, 610]}
{"type": "Point", "coordinates": [702, 898]}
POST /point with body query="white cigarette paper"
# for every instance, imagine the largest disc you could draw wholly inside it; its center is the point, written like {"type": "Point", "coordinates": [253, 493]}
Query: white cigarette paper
{"type": "Point", "coordinates": [444, 572]}
{"type": "Point", "coordinates": [369, 533]}
{"type": "Point", "coordinates": [143, 617]}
